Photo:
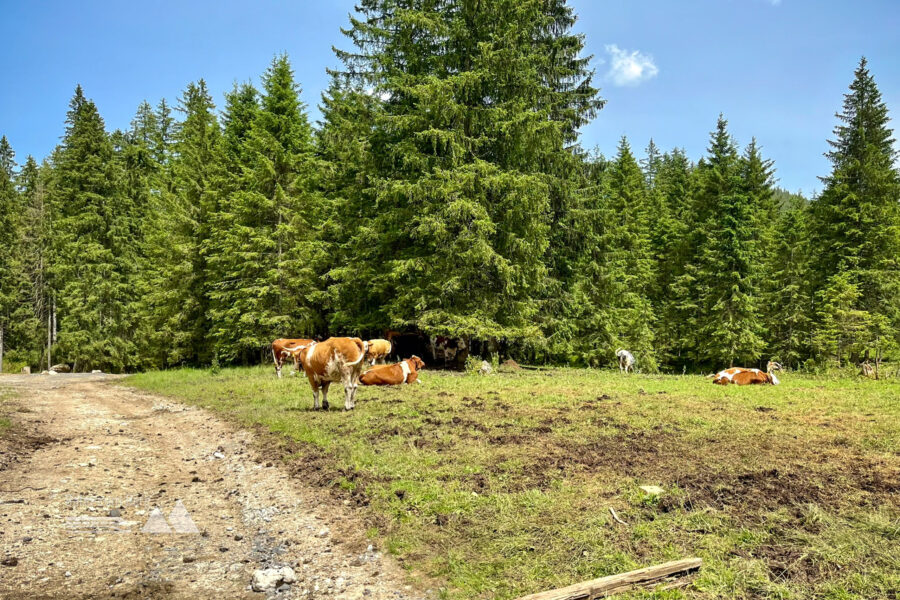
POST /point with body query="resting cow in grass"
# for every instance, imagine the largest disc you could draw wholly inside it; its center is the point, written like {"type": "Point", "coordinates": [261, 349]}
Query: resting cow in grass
{"type": "Point", "coordinates": [378, 350]}
{"type": "Point", "coordinates": [283, 348]}
{"type": "Point", "coordinates": [335, 359]}
{"type": "Point", "coordinates": [742, 376]}
{"type": "Point", "coordinates": [405, 371]}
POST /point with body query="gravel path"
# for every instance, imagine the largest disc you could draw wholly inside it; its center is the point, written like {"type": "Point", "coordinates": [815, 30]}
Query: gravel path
{"type": "Point", "coordinates": [88, 463]}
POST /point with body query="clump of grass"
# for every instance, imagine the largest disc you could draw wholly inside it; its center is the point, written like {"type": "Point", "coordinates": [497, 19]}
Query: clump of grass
{"type": "Point", "coordinates": [502, 485]}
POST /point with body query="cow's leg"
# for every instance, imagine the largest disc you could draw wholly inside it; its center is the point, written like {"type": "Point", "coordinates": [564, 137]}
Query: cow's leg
{"type": "Point", "coordinates": [347, 381]}
{"type": "Point", "coordinates": [277, 364]}
{"type": "Point", "coordinates": [325, 385]}
{"type": "Point", "coordinates": [353, 388]}
{"type": "Point", "coordinates": [314, 384]}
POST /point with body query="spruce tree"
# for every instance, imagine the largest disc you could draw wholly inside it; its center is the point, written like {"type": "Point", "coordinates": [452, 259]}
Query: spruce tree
{"type": "Point", "coordinates": [36, 251]}
{"type": "Point", "coordinates": [617, 277]}
{"type": "Point", "coordinates": [480, 102]}
{"type": "Point", "coordinates": [92, 233]}
{"type": "Point", "coordinates": [856, 220]}
{"type": "Point", "coordinates": [177, 281]}
{"type": "Point", "coordinates": [670, 225]}
{"type": "Point", "coordinates": [268, 256]}
{"type": "Point", "coordinates": [13, 284]}
{"type": "Point", "coordinates": [727, 327]}
{"type": "Point", "coordinates": [788, 299]}
{"type": "Point", "coordinates": [344, 145]}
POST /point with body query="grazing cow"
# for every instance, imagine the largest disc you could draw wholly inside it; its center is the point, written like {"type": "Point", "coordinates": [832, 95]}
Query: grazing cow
{"type": "Point", "coordinates": [335, 359]}
{"type": "Point", "coordinates": [378, 350]}
{"type": "Point", "coordinates": [742, 376]}
{"type": "Point", "coordinates": [626, 360]}
{"type": "Point", "coordinates": [405, 371]}
{"type": "Point", "coordinates": [282, 348]}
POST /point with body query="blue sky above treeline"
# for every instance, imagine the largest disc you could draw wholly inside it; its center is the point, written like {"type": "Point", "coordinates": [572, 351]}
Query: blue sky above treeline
{"type": "Point", "coordinates": [777, 69]}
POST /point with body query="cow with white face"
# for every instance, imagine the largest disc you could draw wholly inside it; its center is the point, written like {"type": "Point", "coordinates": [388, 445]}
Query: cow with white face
{"type": "Point", "coordinates": [335, 359]}
{"type": "Point", "coordinates": [626, 361]}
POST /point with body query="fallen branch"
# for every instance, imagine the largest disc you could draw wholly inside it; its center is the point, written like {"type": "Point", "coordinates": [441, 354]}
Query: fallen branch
{"type": "Point", "coordinates": [623, 582]}
{"type": "Point", "coordinates": [612, 511]}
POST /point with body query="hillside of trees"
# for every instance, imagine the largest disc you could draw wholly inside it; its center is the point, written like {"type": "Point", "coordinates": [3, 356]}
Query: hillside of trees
{"type": "Point", "coordinates": [444, 191]}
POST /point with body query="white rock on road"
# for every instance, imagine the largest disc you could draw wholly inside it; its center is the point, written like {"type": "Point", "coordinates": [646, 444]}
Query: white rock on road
{"type": "Point", "coordinates": [269, 579]}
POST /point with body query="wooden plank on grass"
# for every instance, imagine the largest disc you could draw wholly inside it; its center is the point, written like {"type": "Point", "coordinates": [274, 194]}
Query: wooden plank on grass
{"type": "Point", "coordinates": [615, 584]}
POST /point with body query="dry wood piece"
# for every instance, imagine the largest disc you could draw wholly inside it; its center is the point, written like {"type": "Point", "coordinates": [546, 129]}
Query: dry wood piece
{"type": "Point", "coordinates": [612, 511]}
{"type": "Point", "coordinates": [615, 584]}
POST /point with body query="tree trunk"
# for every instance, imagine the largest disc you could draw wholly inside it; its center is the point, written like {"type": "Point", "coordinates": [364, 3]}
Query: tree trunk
{"type": "Point", "coordinates": [49, 335]}
{"type": "Point", "coordinates": [1, 348]}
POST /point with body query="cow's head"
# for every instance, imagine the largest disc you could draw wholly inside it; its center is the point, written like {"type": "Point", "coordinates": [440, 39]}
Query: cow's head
{"type": "Point", "coordinates": [773, 366]}
{"type": "Point", "coordinates": [417, 362]}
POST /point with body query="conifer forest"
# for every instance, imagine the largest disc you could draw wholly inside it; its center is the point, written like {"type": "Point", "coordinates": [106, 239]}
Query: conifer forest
{"type": "Point", "coordinates": [444, 192]}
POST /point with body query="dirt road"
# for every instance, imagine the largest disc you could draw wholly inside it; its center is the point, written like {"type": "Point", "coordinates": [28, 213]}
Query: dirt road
{"type": "Point", "coordinates": [88, 463]}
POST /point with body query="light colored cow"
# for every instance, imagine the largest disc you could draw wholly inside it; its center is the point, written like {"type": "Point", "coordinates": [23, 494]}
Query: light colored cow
{"type": "Point", "coordinates": [626, 360]}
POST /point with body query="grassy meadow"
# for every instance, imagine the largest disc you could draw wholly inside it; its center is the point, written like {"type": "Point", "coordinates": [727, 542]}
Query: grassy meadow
{"type": "Point", "coordinates": [500, 485]}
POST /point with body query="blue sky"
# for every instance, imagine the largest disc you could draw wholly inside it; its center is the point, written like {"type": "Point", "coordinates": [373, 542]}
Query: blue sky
{"type": "Point", "coordinates": [776, 68]}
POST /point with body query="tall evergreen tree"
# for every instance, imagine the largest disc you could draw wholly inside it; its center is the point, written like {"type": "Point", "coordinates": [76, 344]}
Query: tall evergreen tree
{"type": "Point", "coordinates": [177, 281]}
{"type": "Point", "coordinates": [268, 255]}
{"type": "Point", "coordinates": [91, 235]}
{"type": "Point", "coordinates": [36, 251]}
{"type": "Point", "coordinates": [481, 100]}
{"type": "Point", "coordinates": [344, 143]}
{"type": "Point", "coordinates": [856, 220]}
{"type": "Point", "coordinates": [670, 225]}
{"type": "Point", "coordinates": [617, 275]}
{"type": "Point", "coordinates": [727, 325]}
{"type": "Point", "coordinates": [13, 284]}
{"type": "Point", "coordinates": [788, 300]}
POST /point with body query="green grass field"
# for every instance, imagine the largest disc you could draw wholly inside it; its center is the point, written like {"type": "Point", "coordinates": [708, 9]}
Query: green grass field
{"type": "Point", "coordinates": [501, 485]}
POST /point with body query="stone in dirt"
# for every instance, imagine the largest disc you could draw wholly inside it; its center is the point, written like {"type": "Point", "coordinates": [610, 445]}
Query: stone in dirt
{"type": "Point", "coordinates": [9, 562]}
{"type": "Point", "coordinates": [485, 368]}
{"type": "Point", "coordinates": [653, 490]}
{"type": "Point", "coordinates": [269, 579]}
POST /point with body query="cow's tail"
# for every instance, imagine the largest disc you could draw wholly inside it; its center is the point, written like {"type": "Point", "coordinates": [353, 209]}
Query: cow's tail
{"type": "Point", "coordinates": [363, 348]}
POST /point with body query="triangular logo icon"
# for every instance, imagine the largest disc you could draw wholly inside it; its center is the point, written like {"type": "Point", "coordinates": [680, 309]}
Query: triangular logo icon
{"type": "Point", "coordinates": [156, 523]}
{"type": "Point", "coordinates": [180, 519]}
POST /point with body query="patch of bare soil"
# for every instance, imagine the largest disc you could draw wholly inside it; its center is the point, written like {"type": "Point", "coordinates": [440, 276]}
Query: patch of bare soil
{"type": "Point", "coordinates": [91, 480]}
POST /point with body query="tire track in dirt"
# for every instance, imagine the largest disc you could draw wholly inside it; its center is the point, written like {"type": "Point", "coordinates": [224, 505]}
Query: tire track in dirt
{"type": "Point", "coordinates": [72, 509]}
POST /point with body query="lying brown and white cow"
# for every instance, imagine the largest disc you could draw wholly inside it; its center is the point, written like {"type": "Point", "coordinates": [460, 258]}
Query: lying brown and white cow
{"type": "Point", "coordinates": [378, 350]}
{"type": "Point", "coordinates": [405, 371]}
{"type": "Point", "coordinates": [742, 376]}
{"type": "Point", "coordinates": [335, 359]}
{"type": "Point", "coordinates": [283, 348]}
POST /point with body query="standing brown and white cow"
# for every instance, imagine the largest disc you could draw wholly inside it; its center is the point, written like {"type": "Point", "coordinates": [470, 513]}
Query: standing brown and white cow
{"type": "Point", "coordinates": [335, 359]}
{"type": "Point", "coordinates": [282, 348]}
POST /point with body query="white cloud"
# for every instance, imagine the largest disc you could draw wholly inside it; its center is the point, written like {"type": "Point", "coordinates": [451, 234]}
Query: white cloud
{"type": "Point", "coordinates": [629, 68]}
